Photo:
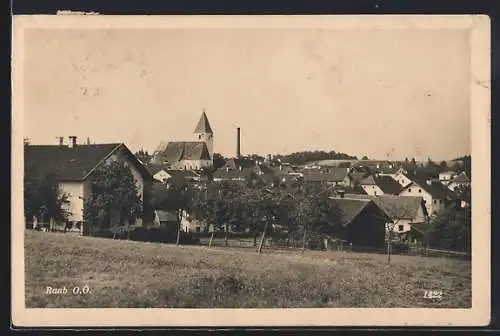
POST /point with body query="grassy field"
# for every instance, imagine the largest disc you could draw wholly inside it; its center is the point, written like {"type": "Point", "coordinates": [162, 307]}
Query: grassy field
{"type": "Point", "coordinates": [124, 274]}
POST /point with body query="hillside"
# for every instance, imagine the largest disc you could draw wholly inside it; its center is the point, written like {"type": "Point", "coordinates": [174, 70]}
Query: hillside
{"type": "Point", "coordinates": [124, 274]}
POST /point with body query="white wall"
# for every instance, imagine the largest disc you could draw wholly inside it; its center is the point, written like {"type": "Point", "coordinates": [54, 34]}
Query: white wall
{"type": "Point", "coordinates": [372, 190]}
{"type": "Point", "coordinates": [406, 223]}
{"type": "Point", "coordinates": [161, 176]}
{"type": "Point", "coordinates": [454, 185]}
{"type": "Point", "coordinates": [191, 164]}
{"type": "Point", "coordinates": [431, 204]}
{"type": "Point", "coordinates": [75, 192]}
{"type": "Point", "coordinates": [402, 179]}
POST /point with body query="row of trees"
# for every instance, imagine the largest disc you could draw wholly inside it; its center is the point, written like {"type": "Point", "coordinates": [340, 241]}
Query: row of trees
{"type": "Point", "coordinates": [432, 168]}
{"type": "Point", "coordinates": [239, 207]}
{"type": "Point", "coordinates": [297, 212]}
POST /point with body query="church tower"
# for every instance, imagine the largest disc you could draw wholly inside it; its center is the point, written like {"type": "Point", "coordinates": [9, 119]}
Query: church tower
{"type": "Point", "coordinates": [204, 132]}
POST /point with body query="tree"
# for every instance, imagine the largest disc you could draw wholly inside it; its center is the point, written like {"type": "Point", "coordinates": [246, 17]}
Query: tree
{"type": "Point", "coordinates": [443, 166]}
{"type": "Point", "coordinates": [315, 214]}
{"type": "Point", "coordinates": [114, 199]}
{"type": "Point", "coordinates": [364, 157]}
{"type": "Point", "coordinates": [394, 213]}
{"type": "Point", "coordinates": [178, 197]}
{"type": "Point", "coordinates": [451, 230]}
{"type": "Point", "coordinates": [43, 196]}
{"type": "Point", "coordinates": [218, 160]}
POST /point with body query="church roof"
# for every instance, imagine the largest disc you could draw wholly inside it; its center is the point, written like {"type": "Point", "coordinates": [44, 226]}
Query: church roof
{"type": "Point", "coordinates": [183, 150]}
{"type": "Point", "coordinates": [203, 125]}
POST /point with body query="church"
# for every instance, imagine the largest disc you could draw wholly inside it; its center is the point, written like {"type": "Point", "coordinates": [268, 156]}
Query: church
{"type": "Point", "coordinates": [188, 155]}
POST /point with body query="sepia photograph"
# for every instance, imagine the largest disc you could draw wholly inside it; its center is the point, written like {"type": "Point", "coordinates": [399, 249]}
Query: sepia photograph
{"type": "Point", "coordinates": [259, 163]}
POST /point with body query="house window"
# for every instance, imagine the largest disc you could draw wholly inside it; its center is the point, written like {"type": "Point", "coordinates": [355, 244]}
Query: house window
{"type": "Point", "coordinates": [419, 190]}
{"type": "Point", "coordinates": [400, 228]}
{"type": "Point", "coordinates": [199, 136]}
{"type": "Point", "coordinates": [409, 190]}
{"type": "Point", "coordinates": [440, 201]}
{"type": "Point", "coordinates": [435, 201]}
{"type": "Point", "coordinates": [425, 202]}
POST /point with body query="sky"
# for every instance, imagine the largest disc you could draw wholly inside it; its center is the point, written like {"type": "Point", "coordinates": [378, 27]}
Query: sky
{"type": "Point", "coordinates": [387, 94]}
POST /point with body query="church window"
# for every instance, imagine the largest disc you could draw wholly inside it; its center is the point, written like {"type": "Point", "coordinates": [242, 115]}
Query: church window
{"type": "Point", "coordinates": [199, 136]}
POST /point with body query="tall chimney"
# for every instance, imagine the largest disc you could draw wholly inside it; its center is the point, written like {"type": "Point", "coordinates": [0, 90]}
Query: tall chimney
{"type": "Point", "coordinates": [238, 143]}
{"type": "Point", "coordinates": [72, 142]}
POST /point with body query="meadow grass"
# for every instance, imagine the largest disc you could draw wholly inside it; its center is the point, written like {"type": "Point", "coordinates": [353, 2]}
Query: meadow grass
{"type": "Point", "coordinates": [127, 274]}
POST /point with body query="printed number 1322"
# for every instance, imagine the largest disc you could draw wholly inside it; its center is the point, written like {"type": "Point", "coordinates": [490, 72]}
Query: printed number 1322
{"type": "Point", "coordinates": [433, 294]}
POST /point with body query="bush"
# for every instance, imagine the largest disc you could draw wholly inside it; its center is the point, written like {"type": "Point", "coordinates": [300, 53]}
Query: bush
{"type": "Point", "coordinates": [153, 235]}
{"type": "Point", "coordinates": [400, 247]}
{"type": "Point", "coordinates": [316, 244]}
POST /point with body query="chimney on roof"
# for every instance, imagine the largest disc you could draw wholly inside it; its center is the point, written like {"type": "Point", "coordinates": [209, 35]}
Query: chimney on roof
{"type": "Point", "coordinates": [61, 140]}
{"type": "Point", "coordinates": [238, 143]}
{"type": "Point", "coordinates": [72, 142]}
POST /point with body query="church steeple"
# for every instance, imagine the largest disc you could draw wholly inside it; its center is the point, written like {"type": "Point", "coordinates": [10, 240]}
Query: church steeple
{"type": "Point", "coordinates": [204, 133]}
{"type": "Point", "coordinates": [203, 125]}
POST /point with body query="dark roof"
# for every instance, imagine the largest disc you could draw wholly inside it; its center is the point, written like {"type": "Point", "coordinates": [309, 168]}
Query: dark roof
{"type": "Point", "coordinates": [350, 208]}
{"type": "Point", "coordinates": [182, 173]}
{"type": "Point", "coordinates": [368, 181]}
{"type": "Point", "coordinates": [182, 150]}
{"type": "Point", "coordinates": [388, 185]}
{"type": "Point", "coordinates": [155, 168]}
{"type": "Point", "coordinates": [400, 207]}
{"type": "Point", "coordinates": [357, 190]}
{"type": "Point", "coordinates": [388, 170]}
{"type": "Point", "coordinates": [71, 164]}
{"type": "Point", "coordinates": [231, 174]}
{"type": "Point", "coordinates": [203, 125]}
{"type": "Point", "coordinates": [420, 227]}
{"type": "Point", "coordinates": [166, 216]}
{"type": "Point", "coordinates": [240, 163]}
{"type": "Point", "coordinates": [331, 175]}
{"type": "Point", "coordinates": [461, 178]}
{"type": "Point", "coordinates": [358, 176]}
{"type": "Point", "coordinates": [435, 188]}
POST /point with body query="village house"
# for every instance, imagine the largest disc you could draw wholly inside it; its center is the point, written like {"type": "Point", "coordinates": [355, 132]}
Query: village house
{"type": "Point", "coordinates": [446, 177]}
{"type": "Point", "coordinates": [237, 175]}
{"type": "Point", "coordinates": [166, 218]}
{"type": "Point", "coordinates": [189, 155]}
{"type": "Point", "coordinates": [459, 181]}
{"type": "Point", "coordinates": [191, 224]}
{"type": "Point", "coordinates": [165, 176]}
{"type": "Point", "coordinates": [435, 195]}
{"type": "Point", "coordinates": [403, 211]}
{"type": "Point", "coordinates": [363, 221]}
{"type": "Point", "coordinates": [380, 185]}
{"type": "Point", "coordinates": [74, 165]}
{"type": "Point", "coordinates": [400, 176]}
{"type": "Point", "coordinates": [329, 176]}
{"type": "Point", "coordinates": [241, 163]}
